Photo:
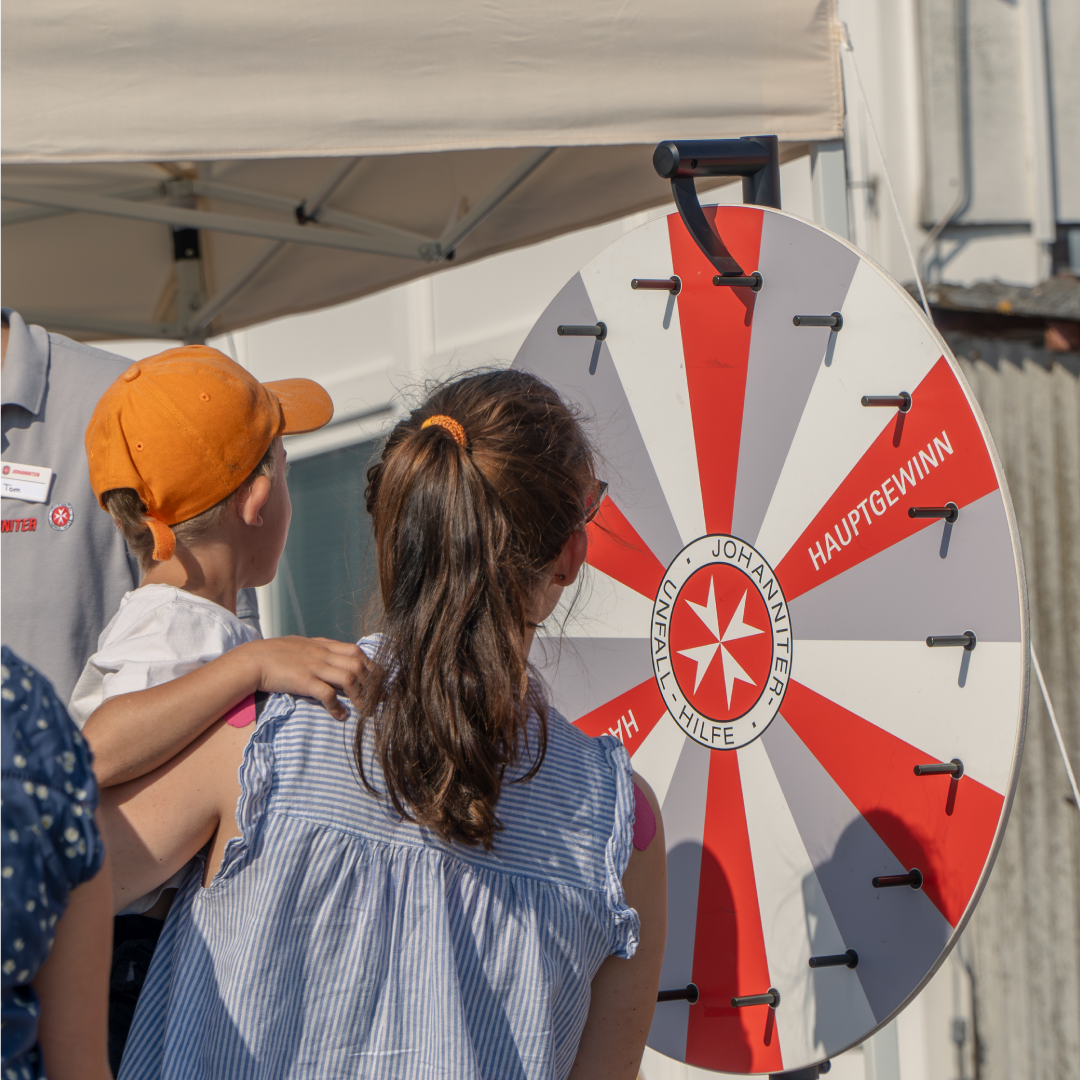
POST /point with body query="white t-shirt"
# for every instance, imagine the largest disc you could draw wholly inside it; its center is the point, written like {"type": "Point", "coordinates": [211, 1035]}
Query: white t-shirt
{"type": "Point", "coordinates": [158, 634]}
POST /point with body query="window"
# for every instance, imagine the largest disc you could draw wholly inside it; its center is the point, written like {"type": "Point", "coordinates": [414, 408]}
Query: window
{"type": "Point", "coordinates": [325, 585]}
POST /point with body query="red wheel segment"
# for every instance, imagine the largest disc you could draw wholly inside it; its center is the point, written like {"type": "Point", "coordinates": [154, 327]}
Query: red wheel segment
{"type": "Point", "coordinates": [729, 944]}
{"type": "Point", "coordinates": [926, 821]}
{"type": "Point", "coordinates": [929, 456]}
{"type": "Point", "coordinates": [616, 549]}
{"type": "Point", "coordinates": [716, 365]}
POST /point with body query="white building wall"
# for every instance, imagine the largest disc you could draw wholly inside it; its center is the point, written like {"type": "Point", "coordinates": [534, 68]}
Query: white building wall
{"type": "Point", "coordinates": [1017, 60]}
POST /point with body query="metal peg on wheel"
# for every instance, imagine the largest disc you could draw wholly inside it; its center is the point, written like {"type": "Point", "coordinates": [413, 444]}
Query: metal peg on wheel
{"type": "Point", "coordinates": [672, 284]}
{"type": "Point", "coordinates": [597, 330]}
{"type": "Point", "coordinates": [949, 512]}
{"type": "Point", "coordinates": [753, 281]}
{"type": "Point", "coordinates": [949, 768]}
{"type": "Point", "coordinates": [901, 401]}
{"type": "Point", "coordinates": [835, 320]}
{"type": "Point", "coordinates": [771, 997]}
{"type": "Point", "coordinates": [966, 640]}
{"type": "Point", "coordinates": [913, 878]}
{"type": "Point", "coordinates": [845, 959]}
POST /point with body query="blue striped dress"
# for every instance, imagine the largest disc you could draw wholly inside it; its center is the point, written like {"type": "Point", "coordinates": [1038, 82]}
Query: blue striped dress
{"type": "Point", "coordinates": [339, 941]}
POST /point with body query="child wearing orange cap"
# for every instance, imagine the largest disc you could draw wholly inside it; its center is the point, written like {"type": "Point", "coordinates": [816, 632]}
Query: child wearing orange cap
{"type": "Point", "coordinates": [185, 453]}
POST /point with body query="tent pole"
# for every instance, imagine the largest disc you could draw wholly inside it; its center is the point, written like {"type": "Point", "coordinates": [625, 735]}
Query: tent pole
{"type": "Point", "coordinates": [212, 307]}
{"type": "Point", "coordinates": [40, 213]}
{"type": "Point", "coordinates": [187, 255]}
{"type": "Point", "coordinates": [308, 210]}
{"type": "Point", "coordinates": [341, 219]}
{"type": "Point", "coordinates": [348, 231]}
{"type": "Point", "coordinates": [215, 222]}
{"type": "Point", "coordinates": [452, 237]}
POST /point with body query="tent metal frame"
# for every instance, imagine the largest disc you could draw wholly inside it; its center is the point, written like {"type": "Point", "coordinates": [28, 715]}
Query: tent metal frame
{"type": "Point", "coordinates": [310, 222]}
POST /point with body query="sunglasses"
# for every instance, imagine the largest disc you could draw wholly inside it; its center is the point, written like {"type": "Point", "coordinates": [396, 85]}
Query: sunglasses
{"type": "Point", "coordinates": [592, 508]}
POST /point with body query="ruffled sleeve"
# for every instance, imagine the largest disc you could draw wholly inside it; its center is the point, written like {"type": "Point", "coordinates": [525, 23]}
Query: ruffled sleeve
{"type": "Point", "coordinates": [256, 777]}
{"type": "Point", "coordinates": [626, 924]}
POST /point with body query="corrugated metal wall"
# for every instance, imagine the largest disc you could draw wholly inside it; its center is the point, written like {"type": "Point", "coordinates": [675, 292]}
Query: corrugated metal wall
{"type": "Point", "coordinates": [1025, 934]}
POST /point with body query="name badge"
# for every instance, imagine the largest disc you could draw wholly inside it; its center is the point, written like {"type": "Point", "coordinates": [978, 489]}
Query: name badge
{"type": "Point", "coordinates": [27, 482]}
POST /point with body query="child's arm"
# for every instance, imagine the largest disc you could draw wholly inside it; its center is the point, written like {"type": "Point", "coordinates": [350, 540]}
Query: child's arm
{"type": "Point", "coordinates": [155, 824]}
{"type": "Point", "coordinates": [132, 734]}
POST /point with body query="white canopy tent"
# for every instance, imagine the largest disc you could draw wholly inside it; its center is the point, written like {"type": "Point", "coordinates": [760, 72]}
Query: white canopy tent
{"type": "Point", "coordinates": [178, 171]}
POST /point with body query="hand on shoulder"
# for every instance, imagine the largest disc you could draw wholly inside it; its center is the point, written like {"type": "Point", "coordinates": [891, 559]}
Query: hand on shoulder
{"type": "Point", "coordinates": [316, 668]}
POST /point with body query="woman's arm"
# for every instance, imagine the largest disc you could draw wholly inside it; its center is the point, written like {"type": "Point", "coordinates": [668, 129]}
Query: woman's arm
{"type": "Point", "coordinates": [155, 824]}
{"type": "Point", "coordinates": [73, 986]}
{"type": "Point", "coordinates": [624, 991]}
{"type": "Point", "coordinates": [132, 734]}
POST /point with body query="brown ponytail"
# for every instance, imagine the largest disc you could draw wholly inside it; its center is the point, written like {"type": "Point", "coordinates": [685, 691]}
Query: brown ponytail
{"type": "Point", "coordinates": [463, 533]}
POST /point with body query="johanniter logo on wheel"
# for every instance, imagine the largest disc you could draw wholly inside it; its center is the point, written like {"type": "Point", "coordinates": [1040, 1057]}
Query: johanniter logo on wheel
{"type": "Point", "coordinates": [721, 642]}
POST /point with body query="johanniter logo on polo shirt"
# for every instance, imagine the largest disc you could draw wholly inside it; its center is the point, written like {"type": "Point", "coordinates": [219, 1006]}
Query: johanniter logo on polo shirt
{"type": "Point", "coordinates": [721, 648]}
{"type": "Point", "coordinates": [61, 516]}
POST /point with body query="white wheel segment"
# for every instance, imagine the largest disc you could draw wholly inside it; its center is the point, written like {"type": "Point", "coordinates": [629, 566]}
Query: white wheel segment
{"type": "Point", "coordinates": [828, 1008]}
{"type": "Point", "coordinates": [784, 359]}
{"type": "Point", "coordinates": [645, 340]}
{"type": "Point", "coordinates": [834, 431]}
{"type": "Point", "coordinates": [584, 371]}
{"type": "Point", "coordinates": [754, 628]}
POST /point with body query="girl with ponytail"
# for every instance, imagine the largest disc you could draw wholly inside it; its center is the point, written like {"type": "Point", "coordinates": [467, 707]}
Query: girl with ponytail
{"type": "Point", "coordinates": [463, 885]}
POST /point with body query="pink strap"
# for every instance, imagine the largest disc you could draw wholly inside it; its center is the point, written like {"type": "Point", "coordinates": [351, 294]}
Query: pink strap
{"type": "Point", "coordinates": [243, 713]}
{"type": "Point", "coordinates": [644, 821]}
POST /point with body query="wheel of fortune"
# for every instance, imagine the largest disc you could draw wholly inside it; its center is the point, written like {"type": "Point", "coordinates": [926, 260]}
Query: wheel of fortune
{"type": "Point", "coordinates": [804, 617]}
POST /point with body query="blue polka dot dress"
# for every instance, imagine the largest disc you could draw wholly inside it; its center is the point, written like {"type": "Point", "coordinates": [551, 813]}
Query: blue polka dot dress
{"type": "Point", "coordinates": [50, 845]}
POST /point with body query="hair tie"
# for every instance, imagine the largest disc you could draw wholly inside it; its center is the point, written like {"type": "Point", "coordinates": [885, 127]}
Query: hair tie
{"type": "Point", "coordinates": [450, 424]}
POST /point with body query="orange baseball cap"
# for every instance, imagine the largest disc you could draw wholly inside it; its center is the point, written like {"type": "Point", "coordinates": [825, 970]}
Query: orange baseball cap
{"type": "Point", "coordinates": [186, 428]}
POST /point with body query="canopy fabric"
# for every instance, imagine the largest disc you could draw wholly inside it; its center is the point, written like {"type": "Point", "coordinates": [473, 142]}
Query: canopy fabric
{"type": "Point", "coordinates": [152, 80]}
{"type": "Point", "coordinates": [404, 132]}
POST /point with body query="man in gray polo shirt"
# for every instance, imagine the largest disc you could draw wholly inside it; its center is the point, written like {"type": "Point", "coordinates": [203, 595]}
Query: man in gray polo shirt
{"type": "Point", "coordinates": [65, 564]}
